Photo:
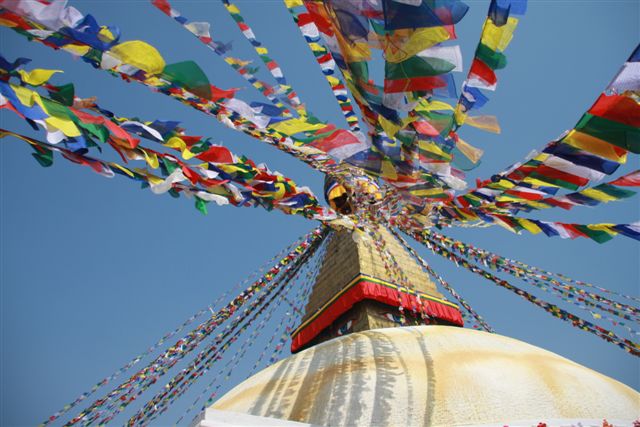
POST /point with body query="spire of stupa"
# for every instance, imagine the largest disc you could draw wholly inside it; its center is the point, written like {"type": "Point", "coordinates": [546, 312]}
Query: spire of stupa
{"type": "Point", "coordinates": [357, 291]}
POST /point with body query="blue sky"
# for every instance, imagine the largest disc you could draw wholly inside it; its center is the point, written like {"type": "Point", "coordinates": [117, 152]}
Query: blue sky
{"type": "Point", "coordinates": [95, 270]}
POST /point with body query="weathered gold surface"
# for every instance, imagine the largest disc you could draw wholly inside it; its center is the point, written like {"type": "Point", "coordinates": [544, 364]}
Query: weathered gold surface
{"type": "Point", "coordinates": [345, 259]}
{"type": "Point", "coordinates": [429, 376]}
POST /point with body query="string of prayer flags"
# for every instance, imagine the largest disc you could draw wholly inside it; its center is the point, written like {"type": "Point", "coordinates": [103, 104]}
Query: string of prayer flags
{"type": "Point", "coordinates": [201, 31]}
{"type": "Point", "coordinates": [297, 302]}
{"type": "Point", "coordinates": [324, 58]}
{"type": "Point", "coordinates": [558, 279]}
{"type": "Point", "coordinates": [76, 128]}
{"type": "Point", "coordinates": [497, 33]}
{"type": "Point", "coordinates": [629, 346]}
{"type": "Point", "coordinates": [263, 53]}
{"type": "Point", "coordinates": [189, 342]}
{"type": "Point", "coordinates": [141, 62]}
{"type": "Point", "coordinates": [579, 297]}
{"type": "Point", "coordinates": [203, 361]}
{"type": "Point", "coordinates": [522, 198]}
{"type": "Point", "coordinates": [477, 317]}
{"type": "Point", "coordinates": [600, 232]}
{"type": "Point", "coordinates": [165, 338]}
{"type": "Point", "coordinates": [596, 147]}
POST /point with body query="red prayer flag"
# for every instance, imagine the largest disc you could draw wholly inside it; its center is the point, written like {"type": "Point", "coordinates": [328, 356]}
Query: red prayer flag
{"type": "Point", "coordinates": [629, 180]}
{"type": "Point", "coordinates": [216, 154]}
{"type": "Point", "coordinates": [483, 72]}
{"type": "Point", "coordinates": [618, 108]}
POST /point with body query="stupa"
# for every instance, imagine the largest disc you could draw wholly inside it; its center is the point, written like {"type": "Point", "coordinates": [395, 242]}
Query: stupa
{"type": "Point", "coordinates": [357, 363]}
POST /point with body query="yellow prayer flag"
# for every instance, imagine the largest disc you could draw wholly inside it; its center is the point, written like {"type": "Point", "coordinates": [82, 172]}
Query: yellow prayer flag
{"type": "Point", "coordinates": [178, 143]}
{"type": "Point", "coordinates": [235, 61]}
{"type": "Point", "coordinates": [316, 47]}
{"type": "Point", "coordinates": [528, 225]}
{"type": "Point", "coordinates": [508, 198]}
{"type": "Point", "coordinates": [488, 123]}
{"type": "Point", "coordinates": [232, 8]}
{"type": "Point", "coordinates": [230, 168]}
{"type": "Point", "coordinates": [595, 145]}
{"type": "Point", "coordinates": [139, 54]}
{"type": "Point", "coordinates": [37, 76]}
{"type": "Point", "coordinates": [293, 126]}
{"type": "Point", "coordinates": [472, 153]}
{"type": "Point", "coordinates": [262, 50]}
{"type": "Point", "coordinates": [606, 227]}
{"type": "Point", "coordinates": [76, 50]}
{"type": "Point", "coordinates": [151, 159]}
{"type": "Point", "coordinates": [541, 157]}
{"type": "Point", "coordinates": [26, 96]}
{"type": "Point", "coordinates": [433, 148]}
{"type": "Point", "coordinates": [388, 171]}
{"type": "Point", "coordinates": [106, 34]}
{"type": "Point", "coordinates": [122, 168]}
{"type": "Point", "coordinates": [427, 192]}
{"type": "Point", "coordinates": [439, 105]}
{"type": "Point", "coordinates": [598, 195]}
{"type": "Point", "coordinates": [67, 127]}
{"type": "Point", "coordinates": [498, 38]}
{"type": "Point", "coordinates": [333, 81]}
{"type": "Point", "coordinates": [459, 116]}
{"type": "Point", "coordinates": [293, 3]}
{"type": "Point", "coordinates": [389, 127]}
{"type": "Point", "coordinates": [403, 44]}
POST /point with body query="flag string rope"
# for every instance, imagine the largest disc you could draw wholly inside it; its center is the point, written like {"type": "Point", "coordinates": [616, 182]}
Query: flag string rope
{"type": "Point", "coordinates": [425, 266]}
{"type": "Point", "coordinates": [201, 31]}
{"type": "Point", "coordinates": [263, 53]}
{"type": "Point", "coordinates": [185, 96]}
{"type": "Point", "coordinates": [581, 301]}
{"type": "Point", "coordinates": [165, 337]}
{"type": "Point", "coordinates": [203, 330]}
{"type": "Point", "coordinates": [521, 270]}
{"type": "Point", "coordinates": [324, 58]}
{"type": "Point", "coordinates": [205, 359]}
{"type": "Point", "coordinates": [609, 336]}
{"type": "Point", "coordinates": [233, 363]}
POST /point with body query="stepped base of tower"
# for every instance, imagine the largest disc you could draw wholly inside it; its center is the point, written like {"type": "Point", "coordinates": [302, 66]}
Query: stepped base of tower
{"type": "Point", "coordinates": [431, 376]}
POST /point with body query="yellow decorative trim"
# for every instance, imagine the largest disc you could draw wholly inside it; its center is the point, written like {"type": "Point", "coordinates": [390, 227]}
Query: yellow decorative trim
{"type": "Point", "coordinates": [360, 277]}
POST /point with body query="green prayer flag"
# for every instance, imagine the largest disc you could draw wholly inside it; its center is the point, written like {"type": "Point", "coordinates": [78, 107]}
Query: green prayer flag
{"type": "Point", "coordinates": [417, 66]}
{"type": "Point", "coordinates": [201, 205]}
{"type": "Point", "coordinates": [171, 166]}
{"type": "Point", "coordinates": [619, 134]}
{"type": "Point", "coordinates": [494, 60]}
{"type": "Point", "coordinates": [64, 94]}
{"type": "Point", "coordinates": [613, 191]}
{"type": "Point", "coordinates": [43, 156]}
{"type": "Point", "coordinates": [189, 75]}
{"type": "Point", "coordinates": [597, 235]}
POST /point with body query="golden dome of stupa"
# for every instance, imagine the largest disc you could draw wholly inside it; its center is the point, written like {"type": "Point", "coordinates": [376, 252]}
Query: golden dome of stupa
{"type": "Point", "coordinates": [431, 376]}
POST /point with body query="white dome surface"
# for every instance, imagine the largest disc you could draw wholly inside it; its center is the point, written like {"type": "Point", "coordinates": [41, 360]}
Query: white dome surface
{"type": "Point", "coordinates": [431, 376]}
